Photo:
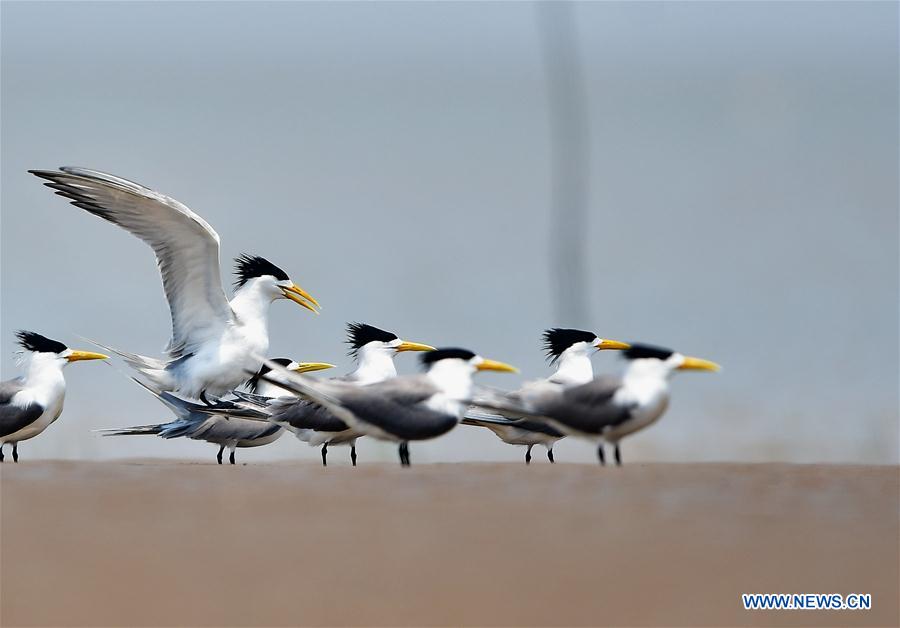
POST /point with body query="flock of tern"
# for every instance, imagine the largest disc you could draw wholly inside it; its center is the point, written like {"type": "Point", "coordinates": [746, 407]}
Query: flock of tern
{"type": "Point", "coordinates": [220, 387]}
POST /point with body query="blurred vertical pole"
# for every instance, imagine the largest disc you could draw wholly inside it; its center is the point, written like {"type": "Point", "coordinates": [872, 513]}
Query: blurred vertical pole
{"type": "Point", "coordinates": [570, 161]}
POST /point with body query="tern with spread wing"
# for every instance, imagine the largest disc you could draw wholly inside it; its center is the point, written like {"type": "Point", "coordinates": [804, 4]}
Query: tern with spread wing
{"type": "Point", "coordinates": [570, 350]}
{"type": "Point", "coordinates": [30, 403]}
{"type": "Point", "coordinates": [606, 408]}
{"type": "Point", "coordinates": [402, 409]}
{"type": "Point", "coordinates": [214, 340]}
{"type": "Point", "coordinates": [374, 350]}
{"type": "Point", "coordinates": [224, 423]}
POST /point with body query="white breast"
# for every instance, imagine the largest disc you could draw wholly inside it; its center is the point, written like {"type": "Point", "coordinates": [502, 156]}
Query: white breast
{"type": "Point", "coordinates": [648, 397]}
{"type": "Point", "coordinates": [220, 367]}
{"type": "Point", "coordinates": [444, 404]}
{"type": "Point", "coordinates": [49, 392]}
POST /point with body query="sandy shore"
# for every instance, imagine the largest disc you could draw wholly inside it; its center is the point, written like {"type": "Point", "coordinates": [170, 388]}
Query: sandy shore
{"type": "Point", "coordinates": [161, 543]}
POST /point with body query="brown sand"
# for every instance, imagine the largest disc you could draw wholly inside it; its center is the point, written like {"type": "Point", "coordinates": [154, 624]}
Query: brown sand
{"type": "Point", "coordinates": [161, 543]}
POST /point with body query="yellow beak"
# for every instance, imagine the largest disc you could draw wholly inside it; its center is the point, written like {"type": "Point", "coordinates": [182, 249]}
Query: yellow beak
{"type": "Point", "coordinates": [413, 346]}
{"type": "Point", "coordinates": [301, 297]}
{"type": "Point", "coordinates": [75, 356]}
{"type": "Point", "coordinates": [493, 365]}
{"type": "Point", "coordinates": [698, 364]}
{"type": "Point", "coordinates": [309, 367]}
{"type": "Point", "coordinates": [612, 344]}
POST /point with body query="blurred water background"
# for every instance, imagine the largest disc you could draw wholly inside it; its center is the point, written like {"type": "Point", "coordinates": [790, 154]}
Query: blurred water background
{"type": "Point", "coordinates": [738, 165]}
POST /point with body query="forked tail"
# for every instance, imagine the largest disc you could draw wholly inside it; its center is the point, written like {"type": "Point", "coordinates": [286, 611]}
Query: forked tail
{"type": "Point", "coordinates": [153, 369]}
{"type": "Point", "coordinates": [137, 430]}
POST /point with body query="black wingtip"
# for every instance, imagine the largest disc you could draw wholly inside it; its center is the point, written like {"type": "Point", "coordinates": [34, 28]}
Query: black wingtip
{"type": "Point", "coordinates": [49, 175]}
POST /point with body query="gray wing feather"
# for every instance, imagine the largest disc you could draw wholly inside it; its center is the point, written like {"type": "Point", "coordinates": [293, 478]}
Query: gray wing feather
{"type": "Point", "coordinates": [509, 405]}
{"type": "Point", "coordinates": [259, 401]}
{"type": "Point", "coordinates": [198, 412]}
{"type": "Point", "coordinates": [9, 388]}
{"type": "Point", "coordinates": [305, 415]}
{"type": "Point", "coordinates": [186, 247]}
{"type": "Point", "coordinates": [234, 429]}
{"type": "Point", "coordinates": [586, 408]}
{"type": "Point", "coordinates": [137, 430]}
{"type": "Point", "coordinates": [406, 390]}
{"type": "Point", "coordinates": [396, 407]}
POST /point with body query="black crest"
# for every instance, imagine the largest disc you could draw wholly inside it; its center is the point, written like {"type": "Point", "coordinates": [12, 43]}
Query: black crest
{"type": "Point", "coordinates": [31, 341]}
{"type": "Point", "coordinates": [638, 352]}
{"type": "Point", "coordinates": [246, 267]}
{"type": "Point", "coordinates": [557, 340]}
{"type": "Point", "coordinates": [253, 382]}
{"type": "Point", "coordinates": [361, 334]}
{"type": "Point", "coordinates": [430, 357]}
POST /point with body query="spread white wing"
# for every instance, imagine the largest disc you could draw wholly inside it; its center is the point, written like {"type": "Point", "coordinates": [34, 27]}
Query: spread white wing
{"type": "Point", "coordinates": [186, 247]}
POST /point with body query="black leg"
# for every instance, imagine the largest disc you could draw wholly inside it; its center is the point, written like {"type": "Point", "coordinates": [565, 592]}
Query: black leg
{"type": "Point", "coordinates": [618, 456]}
{"type": "Point", "coordinates": [404, 454]}
{"type": "Point", "coordinates": [204, 399]}
{"type": "Point", "coordinates": [219, 455]}
{"type": "Point", "coordinates": [550, 455]}
{"type": "Point", "coordinates": [600, 455]}
{"type": "Point", "coordinates": [528, 454]}
{"type": "Point", "coordinates": [325, 455]}
{"type": "Point", "coordinates": [231, 457]}
{"type": "Point", "coordinates": [15, 452]}
{"type": "Point", "coordinates": [353, 454]}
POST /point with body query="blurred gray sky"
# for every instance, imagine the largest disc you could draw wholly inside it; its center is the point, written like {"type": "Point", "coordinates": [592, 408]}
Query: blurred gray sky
{"type": "Point", "coordinates": [395, 160]}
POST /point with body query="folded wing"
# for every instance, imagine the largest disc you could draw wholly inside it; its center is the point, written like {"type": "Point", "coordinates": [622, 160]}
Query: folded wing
{"type": "Point", "coordinates": [15, 417]}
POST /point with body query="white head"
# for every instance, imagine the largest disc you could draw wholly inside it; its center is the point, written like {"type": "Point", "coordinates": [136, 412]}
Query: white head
{"type": "Point", "coordinates": [375, 349]}
{"type": "Point", "coordinates": [259, 386]}
{"type": "Point", "coordinates": [42, 353]}
{"type": "Point", "coordinates": [258, 273]}
{"type": "Point", "coordinates": [571, 350]}
{"type": "Point", "coordinates": [451, 369]}
{"type": "Point", "coordinates": [657, 362]}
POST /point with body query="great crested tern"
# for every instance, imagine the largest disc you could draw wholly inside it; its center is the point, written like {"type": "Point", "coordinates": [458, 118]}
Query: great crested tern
{"type": "Point", "coordinates": [402, 409]}
{"type": "Point", "coordinates": [570, 350]}
{"type": "Point", "coordinates": [606, 408]}
{"type": "Point", "coordinates": [213, 339]}
{"type": "Point", "coordinates": [31, 402]}
{"type": "Point", "coordinates": [374, 350]}
{"type": "Point", "coordinates": [222, 423]}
